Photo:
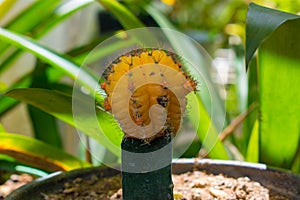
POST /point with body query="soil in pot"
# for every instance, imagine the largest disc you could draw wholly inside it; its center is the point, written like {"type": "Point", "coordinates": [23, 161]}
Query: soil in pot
{"type": "Point", "coordinates": [188, 186]}
{"type": "Point", "coordinates": [12, 182]}
{"type": "Point", "coordinates": [189, 178]}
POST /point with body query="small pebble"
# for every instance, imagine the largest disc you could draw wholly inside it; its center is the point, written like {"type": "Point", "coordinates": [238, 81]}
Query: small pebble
{"type": "Point", "coordinates": [217, 193]}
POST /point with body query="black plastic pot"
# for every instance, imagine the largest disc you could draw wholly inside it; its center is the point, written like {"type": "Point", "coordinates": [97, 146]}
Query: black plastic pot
{"type": "Point", "coordinates": [278, 182]}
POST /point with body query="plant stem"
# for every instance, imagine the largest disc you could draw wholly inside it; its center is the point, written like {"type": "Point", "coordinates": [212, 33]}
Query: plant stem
{"type": "Point", "coordinates": [146, 169]}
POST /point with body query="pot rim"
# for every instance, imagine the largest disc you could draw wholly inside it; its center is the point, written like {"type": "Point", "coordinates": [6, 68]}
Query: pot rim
{"type": "Point", "coordinates": [200, 161]}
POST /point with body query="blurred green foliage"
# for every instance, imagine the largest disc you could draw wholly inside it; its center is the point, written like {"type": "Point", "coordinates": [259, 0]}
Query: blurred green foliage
{"type": "Point", "coordinates": [210, 22]}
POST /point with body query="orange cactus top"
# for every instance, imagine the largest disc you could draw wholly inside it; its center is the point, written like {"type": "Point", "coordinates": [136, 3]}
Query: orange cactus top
{"type": "Point", "coordinates": [146, 92]}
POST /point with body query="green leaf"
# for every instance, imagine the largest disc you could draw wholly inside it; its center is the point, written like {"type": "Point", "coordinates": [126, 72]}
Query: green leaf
{"type": "Point", "coordinates": [61, 13]}
{"type": "Point", "coordinates": [44, 125]}
{"type": "Point", "coordinates": [296, 163]}
{"type": "Point", "coordinates": [9, 60]}
{"type": "Point", "coordinates": [206, 92]}
{"type": "Point", "coordinates": [5, 5]}
{"type": "Point", "coordinates": [37, 154]}
{"type": "Point", "coordinates": [129, 21]}
{"type": "Point", "coordinates": [28, 19]}
{"type": "Point", "coordinates": [6, 157]}
{"type": "Point", "coordinates": [7, 163]}
{"type": "Point", "coordinates": [51, 58]}
{"type": "Point", "coordinates": [185, 47]}
{"type": "Point", "coordinates": [159, 18]}
{"type": "Point", "coordinates": [57, 16]}
{"type": "Point", "coordinates": [206, 130]}
{"type": "Point", "coordinates": [59, 105]}
{"type": "Point", "coordinates": [261, 22]}
{"type": "Point", "coordinates": [279, 64]}
{"type": "Point", "coordinates": [54, 75]}
{"type": "Point", "coordinates": [253, 146]}
{"type": "Point", "coordinates": [1, 128]}
{"type": "Point", "coordinates": [8, 103]}
{"type": "Point", "coordinates": [53, 102]}
{"type": "Point", "coordinates": [96, 54]}
{"type": "Point", "coordinates": [279, 71]}
{"type": "Point", "coordinates": [242, 140]}
{"type": "Point", "coordinates": [125, 17]}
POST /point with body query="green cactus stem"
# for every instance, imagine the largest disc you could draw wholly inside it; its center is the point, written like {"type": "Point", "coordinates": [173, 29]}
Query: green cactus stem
{"type": "Point", "coordinates": [146, 169]}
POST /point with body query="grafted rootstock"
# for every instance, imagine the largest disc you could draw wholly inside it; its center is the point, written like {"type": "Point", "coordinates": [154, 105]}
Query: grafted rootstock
{"type": "Point", "coordinates": [137, 82]}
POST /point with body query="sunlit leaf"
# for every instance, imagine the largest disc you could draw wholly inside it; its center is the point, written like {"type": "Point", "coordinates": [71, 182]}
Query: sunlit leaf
{"type": "Point", "coordinates": [204, 102]}
{"type": "Point", "coordinates": [1, 128]}
{"type": "Point", "coordinates": [242, 140]}
{"type": "Point", "coordinates": [279, 64]}
{"type": "Point", "coordinates": [261, 22]}
{"type": "Point", "coordinates": [5, 5]}
{"type": "Point", "coordinates": [53, 102]}
{"type": "Point", "coordinates": [169, 2]}
{"type": "Point", "coordinates": [296, 163]}
{"type": "Point", "coordinates": [124, 16]}
{"type": "Point", "coordinates": [57, 16]}
{"type": "Point", "coordinates": [27, 19]}
{"type": "Point", "coordinates": [62, 12]}
{"type": "Point", "coordinates": [8, 163]}
{"type": "Point", "coordinates": [50, 57]}
{"type": "Point", "coordinates": [253, 146]}
{"type": "Point", "coordinates": [44, 125]}
{"type": "Point", "coordinates": [6, 157]}
{"type": "Point", "coordinates": [59, 105]}
{"type": "Point", "coordinates": [206, 130]}
{"type": "Point", "coordinates": [78, 55]}
{"type": "Point", "coordinates": [279, 72]}
{"type": "Point", "coordinates": [37, 154]}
